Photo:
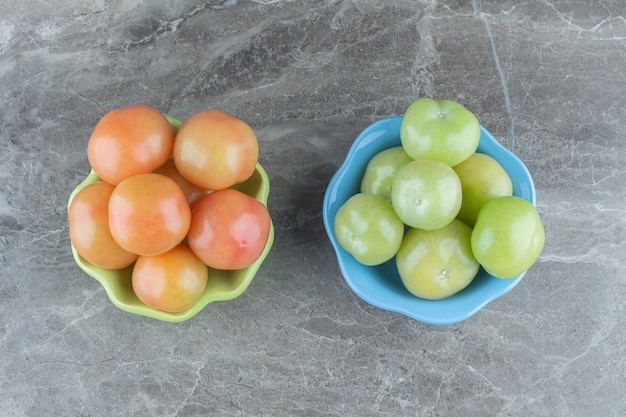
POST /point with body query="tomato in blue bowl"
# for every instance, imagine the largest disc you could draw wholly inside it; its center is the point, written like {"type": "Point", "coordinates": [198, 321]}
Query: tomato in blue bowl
{"type": "Point", "coordinates": [381, 285]}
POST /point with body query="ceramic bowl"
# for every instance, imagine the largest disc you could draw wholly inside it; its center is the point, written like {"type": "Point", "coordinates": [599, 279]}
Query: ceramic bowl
{"type": "Point", "coordinates": [221, 286]}
{"type": "Point", "coordinates": [381, 285]}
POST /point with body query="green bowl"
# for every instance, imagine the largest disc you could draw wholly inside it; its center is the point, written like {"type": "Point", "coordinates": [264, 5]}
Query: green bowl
{"type": "Point", "coordinates": [222, 285]}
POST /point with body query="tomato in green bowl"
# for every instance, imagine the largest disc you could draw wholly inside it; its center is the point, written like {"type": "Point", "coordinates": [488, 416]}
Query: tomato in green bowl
{"type": "Point", "coordinates": [222, 285]}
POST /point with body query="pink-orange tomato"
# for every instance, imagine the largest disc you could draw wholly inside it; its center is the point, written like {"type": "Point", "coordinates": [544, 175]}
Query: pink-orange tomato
{"type": "Point", "coordinates": [172, 281]}
{"type": "Point", "coordinates": [215, 150]}
{"type": "Point", "coordinates": [148, 214]}
{"type": "Point", "coordinates": [129, 141]}
{"type": "Point", "coordinates": [192, 192]}
{"type": "Point", "coordinates": [88, 217]}
{"type": "Point", "coordinates": [229, 229]}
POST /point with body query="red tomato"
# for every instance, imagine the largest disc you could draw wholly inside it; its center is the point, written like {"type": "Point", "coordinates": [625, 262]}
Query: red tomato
{"type": "Point", "coordinates": [215, 150]}
{"type": "Point", "coordinates": [129, 141]}
{"type": "Point", "coordinates": [229, 229]}
{"type": "Point", "coordinates": [148, 214]}
{"type": "Point", "coordinates": [192, 192]}
{"type": "Point", "coordinates": [172, 281]}
{"type": "Point", "coordinates": [88, 217]}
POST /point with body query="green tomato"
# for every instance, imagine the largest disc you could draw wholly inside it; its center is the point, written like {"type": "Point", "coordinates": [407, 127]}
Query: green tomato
{"type": "Point", "coordinates": [443, 130]}
{"type": "Point", "coordinates": [482, 178]}
{"type": "Point", "coordinates": [435, 264]}
{"type": "Point", "coordinates": [367, 227]}
{"type": "Point", "coordinates": [426, 194]}
{"type": "Point", "coordinates": [508, 236]}
{"type": "Point", "coordinates": [381, 169]}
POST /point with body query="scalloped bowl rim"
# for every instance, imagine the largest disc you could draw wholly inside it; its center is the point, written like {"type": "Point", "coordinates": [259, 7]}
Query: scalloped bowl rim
{"type": "Point", "coordinates": [381, 285]}
{"type": "Point", "coordinates": [120, 293]}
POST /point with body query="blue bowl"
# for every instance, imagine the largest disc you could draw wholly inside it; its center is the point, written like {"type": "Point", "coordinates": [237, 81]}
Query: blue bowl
{"type": "Point", "coordinates": [381, 285]}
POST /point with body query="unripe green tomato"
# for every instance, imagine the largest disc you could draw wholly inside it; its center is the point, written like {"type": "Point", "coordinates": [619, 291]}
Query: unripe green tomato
{"type": "Point", "coordinates": [508, 236]}
{"type": "Point", "coordinates": [426, 194]}
{"type": "Point", "coordinates": [367, 227]}
{"type": "Point", "coordinates": [442, 130]}
{"type": "Point", "coordinates": [482, 178]}
{"type": "Point", "coordinates": [435, 264]}
{"type": "Point", "coordinates": [381, 170]}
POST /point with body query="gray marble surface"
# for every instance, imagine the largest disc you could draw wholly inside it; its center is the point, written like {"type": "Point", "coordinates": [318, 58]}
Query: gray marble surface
{"type": "Point", "coordinates": [546, 77]}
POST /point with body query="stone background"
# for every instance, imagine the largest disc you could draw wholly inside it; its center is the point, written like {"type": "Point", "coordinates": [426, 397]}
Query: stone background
{"type": "Point", "coordinates": [547, 78]}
